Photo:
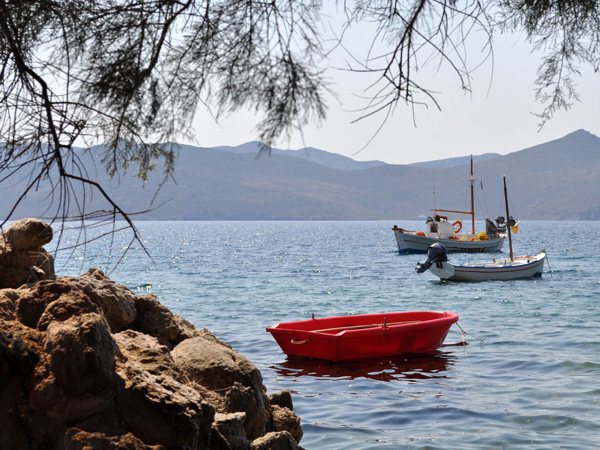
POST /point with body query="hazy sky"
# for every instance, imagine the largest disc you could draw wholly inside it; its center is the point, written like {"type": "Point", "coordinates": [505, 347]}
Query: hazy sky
{"type": "Point", "coordinates": [496, 117]}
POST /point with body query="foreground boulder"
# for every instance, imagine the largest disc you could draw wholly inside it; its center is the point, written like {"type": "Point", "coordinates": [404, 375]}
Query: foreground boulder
{"type": "Point", "coordinates": [87, 364]}
{"type": "Point", "coordinates": [22, 256]}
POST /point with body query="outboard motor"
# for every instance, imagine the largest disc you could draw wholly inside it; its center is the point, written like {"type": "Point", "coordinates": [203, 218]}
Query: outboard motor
{"type": "Point", "coordinates": [490, 228]}
{"type": "Point", "coordinates": [436, 254]}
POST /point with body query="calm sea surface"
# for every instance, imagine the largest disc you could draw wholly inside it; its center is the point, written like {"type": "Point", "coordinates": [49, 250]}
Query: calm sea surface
{"type": "Point", "coordinates": [529, 378]}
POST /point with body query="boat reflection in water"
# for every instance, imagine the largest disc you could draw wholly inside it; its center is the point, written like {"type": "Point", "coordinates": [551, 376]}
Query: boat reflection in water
{"type": "Point", "coordinates": [412, 368]}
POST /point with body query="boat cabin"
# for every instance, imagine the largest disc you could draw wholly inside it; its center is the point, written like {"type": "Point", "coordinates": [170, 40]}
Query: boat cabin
{"type": "Point", "coordinates": [439, 227]}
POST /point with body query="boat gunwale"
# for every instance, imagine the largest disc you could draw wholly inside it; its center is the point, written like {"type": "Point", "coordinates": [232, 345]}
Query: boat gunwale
{"type": "Point", "coordinates": [448, 318]}
{"type": "Point", "coordinates": [499, 268]}
{"type": "Point", "coordinates": [491, 245]}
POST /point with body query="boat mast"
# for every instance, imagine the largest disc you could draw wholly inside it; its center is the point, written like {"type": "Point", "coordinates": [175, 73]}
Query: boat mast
{"type": "Point", "coordinates": [508, 219]}
{"type": "Point", "coordinates": [472, 212]}
{"type": "Point", "coordinates": [472, 180]}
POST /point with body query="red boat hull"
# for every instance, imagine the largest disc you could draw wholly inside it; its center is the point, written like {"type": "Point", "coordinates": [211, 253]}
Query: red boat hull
{"type": "Point", "coordinates": [346, 338]}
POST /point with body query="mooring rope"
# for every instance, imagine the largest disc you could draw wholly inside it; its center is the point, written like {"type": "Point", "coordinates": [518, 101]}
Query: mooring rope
{"type": "Point", "coordinates": [466, 333]}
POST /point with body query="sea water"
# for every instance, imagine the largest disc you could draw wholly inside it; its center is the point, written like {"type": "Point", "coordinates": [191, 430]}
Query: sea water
{"type": "Point", "coordinates": [529, 377]}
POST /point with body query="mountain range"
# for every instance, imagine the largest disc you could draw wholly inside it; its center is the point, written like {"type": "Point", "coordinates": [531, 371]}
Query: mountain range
{"type": "Point", "coordinates": [556, 180]}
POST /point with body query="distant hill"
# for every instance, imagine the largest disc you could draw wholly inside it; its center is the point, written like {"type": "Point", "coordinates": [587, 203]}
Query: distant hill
{"type": "Point", "coordinates": [323, 158]}
{"type": "Point", "coordinates": [452, 162]}
{"type": "Point", "coordinates": [557, 180]}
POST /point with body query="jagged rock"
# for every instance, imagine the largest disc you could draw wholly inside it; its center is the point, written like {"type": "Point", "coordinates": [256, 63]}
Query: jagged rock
{"type": "Point", "coordinates": [7, 304]}
{"type": "Point", "coordinates": [139, 348]}
{"type": "Point", "coordinates": [276, 440]}
{"type": "Point", "coordinates": [159, 410]}
{"type": "Point", "coordinates": [22, 257]}
{"type": "Point", "coordinates": [32, 303]}
{"type": "Point", "coordinates": [187, 331]}
{"type": "Point", "coordinates": [13, 435]}
{"type": "Point", "coordinates": [157, 320]}
{"type": "Point", "coordinates": [116, 301]}
{"type": "Point", "coordinates": [228, 432]}
{"type": "Point", "coordinates": [16, 363]}
{"type": "Point", "coordinates": [76, 439]}
{"type": "Point", "coordinates": [230, 374]}
{"type": "Point", "coordinates": [284, 419]}
{"type": "Point", "coordinates": [82, 353]}
{"type": "Point", "coordinates": [27, 233]}
{"type": "Point", "coordinates": [282, 398]}
{"type": "Point", "coordinates": [85, 363]}
{"type": "Point", "coordinates": [65, 307]}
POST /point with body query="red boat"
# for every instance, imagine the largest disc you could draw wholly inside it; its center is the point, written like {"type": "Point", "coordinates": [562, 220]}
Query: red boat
{"type": "Point", "coordinates": [346, 338]}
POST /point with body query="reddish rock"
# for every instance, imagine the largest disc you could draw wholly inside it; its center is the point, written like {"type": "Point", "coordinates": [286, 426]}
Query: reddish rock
{"type": "Point", "coordinates": [276, 440]}
{"type": "Point", "coordinates": [284, 419]}
{"type": "Point", "coordinates": [76, 439]}
{"type": "Point", "coordinates": [230, 374]}
{"type": "Point", "coordinates": [87, 364]}
{"type": "Point", "coordinates": [116, 301]}
{"type": "Point", "coordinates": [82, 354]}
{"type": "Point", "coordinates": [160, 410]}
{"type": "Point", "coordinates": [228, 432]}
{"type": "Point", "coordinates": [22, 256]}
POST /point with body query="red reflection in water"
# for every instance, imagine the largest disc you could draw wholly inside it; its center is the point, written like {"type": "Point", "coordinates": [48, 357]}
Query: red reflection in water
{"type": "Point", "coordinates": [404, 367]}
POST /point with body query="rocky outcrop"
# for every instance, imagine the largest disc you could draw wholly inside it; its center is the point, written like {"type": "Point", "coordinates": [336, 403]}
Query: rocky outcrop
{"type": "Point", "coordinates": [22, 256]}
{"type": "Point", "coordinates": [86, 363]}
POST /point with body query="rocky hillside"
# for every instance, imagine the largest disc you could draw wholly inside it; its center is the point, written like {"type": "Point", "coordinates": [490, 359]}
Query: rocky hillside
{"type": "Point", "coordinates": [552, 181]}
{"type": "Point", "coordinates": [86, 363]}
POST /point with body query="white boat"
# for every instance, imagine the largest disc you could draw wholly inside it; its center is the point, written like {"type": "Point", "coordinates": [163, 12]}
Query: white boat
{"type": "Point", "coordinates": [513, 268]}
{"type": "Point", "coordinates": [450, 234]}
{"type": "Point", "coordinates": [502, 269]}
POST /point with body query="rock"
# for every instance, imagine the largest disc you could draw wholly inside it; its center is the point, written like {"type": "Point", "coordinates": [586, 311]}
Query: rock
{"type": "Point", "coordinates": [13, 435]}
{"type": "Point", "coordinates": [281, 440]}
{"type": "Point", "coordinates": [27, 233]}
{"type": "Point", "coordinates": [159, 410]}
{"type": "Point", "coordinates": [76, 439]}
{"type": "Point", "coordinates": [65, 307]}
{"type": "Point", "coordinates": [22, 258]}
{"type": "Point", "coordinates": [231, 375]}
{"type": "Point", "coordinates": [85, 363]}
{"type": "Point", "coordinates": [155, 319]}
{"type": "Point", "coordinates": [82, 354]}
{"type": "Point", "coordinates": [282, 398]}
{"type": "Point", "coordinates": [139, 348]}
{"type": "Point", "coordinates": [32, 303]}
{"type": "Point", "coordinates": [7, 304]}
{"type": "Point", "coordinates": [187, 330]}
{"type": "Point", "coordinates": [16, 363]}
{"type": "Point", "coordinates": [228, 432]}
{"type": "Point", "coordinates": [116, 301]}
{"type": "Point", "coordinates": [284, 419]}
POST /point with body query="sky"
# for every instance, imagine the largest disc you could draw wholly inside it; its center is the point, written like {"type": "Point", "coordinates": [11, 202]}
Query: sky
{"type": "Point", "coordinates": [497, 116]}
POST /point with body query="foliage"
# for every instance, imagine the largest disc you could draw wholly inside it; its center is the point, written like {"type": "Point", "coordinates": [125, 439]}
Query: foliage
{"type": "Point", "coordinates": [568, 33]}
{"type": "Point", "coordinates": [130, 74]}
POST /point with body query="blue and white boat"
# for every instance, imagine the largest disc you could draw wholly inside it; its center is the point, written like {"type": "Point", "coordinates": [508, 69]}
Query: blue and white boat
{"type": "Point", "coordinates": [450, 234]}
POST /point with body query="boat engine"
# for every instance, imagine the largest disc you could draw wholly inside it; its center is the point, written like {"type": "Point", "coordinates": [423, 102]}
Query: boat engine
{"type": "Point", "coordinates": [491, 229]}
{"type": "Point", "coordinates": [436, 254]}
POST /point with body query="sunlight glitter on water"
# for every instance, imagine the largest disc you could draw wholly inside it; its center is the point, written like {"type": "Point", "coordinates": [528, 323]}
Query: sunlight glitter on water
{"type": "Point", "coordinates": [528, 379]}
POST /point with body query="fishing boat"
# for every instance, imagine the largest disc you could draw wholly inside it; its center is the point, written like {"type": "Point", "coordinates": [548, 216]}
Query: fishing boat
{"type": "Point", "coordinates": [502, 269]}
{"type": "Point", "coordinates": [513, 268]}
{"type": "Point", "coordinates": [450, 234]}
{"type": "Point", "coordinates": [363, 336]}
